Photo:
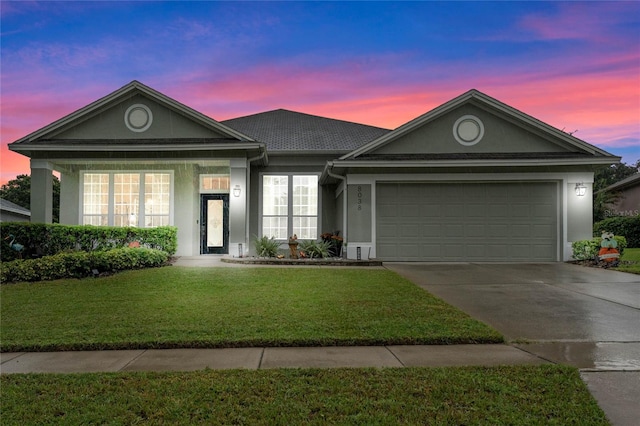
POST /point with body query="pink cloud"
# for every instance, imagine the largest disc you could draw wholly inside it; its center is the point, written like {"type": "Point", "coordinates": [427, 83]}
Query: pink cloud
{"type": "Point", "coordinates": [579, 20]}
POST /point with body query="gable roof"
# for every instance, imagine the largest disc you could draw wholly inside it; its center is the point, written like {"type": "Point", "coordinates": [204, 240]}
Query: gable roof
{"type": "Point", "coordinates": [8, 206]}
{"type": "Point", "coordinates": [628, 182]}
{"type": "Point", "coordinates": [290, 131]}
{"type": "Point", "coordinates": [480, 99]}
{"type": "Point", "coordinates": [134, 87]}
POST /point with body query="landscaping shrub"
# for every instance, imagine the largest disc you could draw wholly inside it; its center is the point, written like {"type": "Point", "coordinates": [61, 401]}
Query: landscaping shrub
{"type": "Point", "coordinates": [588, 249]}
{"type": "Point", "coordinates": [319, 249]}
{"type": "Point", "coordinates": [266, 247]}
{"type": "Point", "coordinates": [79, 264]}
{"type": "Point", "coordinates": [41, 239]}
{"type": "Point", "coordinates": [627, 226]}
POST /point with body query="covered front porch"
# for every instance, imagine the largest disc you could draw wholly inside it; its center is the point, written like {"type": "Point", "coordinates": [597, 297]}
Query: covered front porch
{"type": "Point", "coordinates": [207, 200]}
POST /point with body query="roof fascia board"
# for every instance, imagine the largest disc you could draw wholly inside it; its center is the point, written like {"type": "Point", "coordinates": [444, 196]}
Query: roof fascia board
{"type": "Point", "coordinates": [162, 160]}
{"type": "Point", "coordinates": [135, 147]}
{"type": "Point", "coordinates": [298, 152]}
{"type": "Point", "coordinates": [120, 93]}
{"type": "Point", "coordinates": [475, 163]}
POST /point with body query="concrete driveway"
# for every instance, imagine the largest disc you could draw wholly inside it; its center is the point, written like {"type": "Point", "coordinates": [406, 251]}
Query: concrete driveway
{"type": "Point", "coordinates": [564, 313]}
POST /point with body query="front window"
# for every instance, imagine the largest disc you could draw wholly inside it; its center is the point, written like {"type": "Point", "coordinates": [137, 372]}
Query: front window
{"type": "Point", "coordinates": [126, 199]}
{"type": "Point", "coordinates": [95, 200]}
{"type": "Point", "coordinates": [290, 206]}
{"type": "Point", "coordinates": [126, 193]}
{"type": "Point", "coordinates": [156, 199]}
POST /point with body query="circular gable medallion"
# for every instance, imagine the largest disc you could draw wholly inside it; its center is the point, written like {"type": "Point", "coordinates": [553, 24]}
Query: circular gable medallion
{"type": "Point", "coordinates": [138, 118]}
{"type": "Point", "coordinates": [468, 130]}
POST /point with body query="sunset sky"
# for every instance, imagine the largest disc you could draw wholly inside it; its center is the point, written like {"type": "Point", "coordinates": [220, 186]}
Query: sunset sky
{"type": "Point", "coordinates": [573, 65]}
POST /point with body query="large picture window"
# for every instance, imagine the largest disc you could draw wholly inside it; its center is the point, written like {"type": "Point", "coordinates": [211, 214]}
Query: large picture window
{"type": "Point", "coordinates": [290, 206]}
{"type": "Point", "coordinates": [126, 199]}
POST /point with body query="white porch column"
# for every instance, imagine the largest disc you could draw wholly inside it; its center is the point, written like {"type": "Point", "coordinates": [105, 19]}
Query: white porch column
{"type": "Point", "coordinates": [41, 191]}
{"type": "Point", "coordinates": [238, 206]}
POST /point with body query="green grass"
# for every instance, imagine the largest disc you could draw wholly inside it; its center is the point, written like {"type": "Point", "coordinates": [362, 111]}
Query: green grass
{"type": "Point", "coordinates": [230, 307]}
{"type": "Point", "coordinates": [522, 395]}
{"type": "Point", "coordinates": [630, 261]}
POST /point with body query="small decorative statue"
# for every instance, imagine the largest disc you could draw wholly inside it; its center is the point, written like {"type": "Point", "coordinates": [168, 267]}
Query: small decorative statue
{"type": "Point", "coordinates": [17, 247]}
{"type": "Point", "coordinates": [608, 249]}
{"type": "Point", "coordinates": [293, 247]}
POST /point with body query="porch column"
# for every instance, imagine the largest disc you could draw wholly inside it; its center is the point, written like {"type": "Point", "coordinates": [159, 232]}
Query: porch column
{"type": "Point", "coordinates": [238, 206]}
{"type": "Point", "coordinates": [41, 191]}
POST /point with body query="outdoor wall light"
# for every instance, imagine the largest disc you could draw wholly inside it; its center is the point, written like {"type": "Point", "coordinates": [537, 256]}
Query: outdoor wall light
{"type": "Point", "coordinates": [581, 190]}
{"type": "Point", "coordinates": [236, 191]}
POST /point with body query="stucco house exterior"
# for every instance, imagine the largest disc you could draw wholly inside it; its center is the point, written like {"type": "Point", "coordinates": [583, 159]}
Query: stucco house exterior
{"type": "Point", "coordinates": [471, 180]}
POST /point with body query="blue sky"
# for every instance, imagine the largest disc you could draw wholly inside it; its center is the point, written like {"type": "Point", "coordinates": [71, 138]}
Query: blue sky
{"type": "Point", "coordinates": [574, 65]}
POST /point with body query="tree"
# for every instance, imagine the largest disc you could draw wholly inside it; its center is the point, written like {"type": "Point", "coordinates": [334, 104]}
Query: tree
{"type": "Point", "coordinates": [612, 174]}
{"type": "Point", "coordinates": [605, 177]}
{"type": "Point", "coordinates": [18, 191]}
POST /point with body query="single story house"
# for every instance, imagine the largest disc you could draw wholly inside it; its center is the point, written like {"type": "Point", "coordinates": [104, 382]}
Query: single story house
{"type": "Point", "coordinates": [627, 197]}
{"type": "Point", "coordinates": [471, 180]}
{"type": "Point", "coordinates": [11, 212]}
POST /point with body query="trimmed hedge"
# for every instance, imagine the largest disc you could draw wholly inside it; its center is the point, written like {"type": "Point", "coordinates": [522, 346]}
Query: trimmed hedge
{"type": "Point", "coordinates": [628, 226]}
{"type": "Point", "coordinates": [80, 264]}
{"type": "Point", "coordinates": [41, 239]}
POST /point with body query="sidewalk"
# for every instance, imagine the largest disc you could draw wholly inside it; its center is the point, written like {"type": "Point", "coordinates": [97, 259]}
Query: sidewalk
{"type": "Point", "coordinates": [262, 358]}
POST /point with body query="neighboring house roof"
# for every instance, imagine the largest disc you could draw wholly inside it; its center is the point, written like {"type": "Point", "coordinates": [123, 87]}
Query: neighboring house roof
{"type": "Point", "coordinates": [7, 205]}
{"type": "Point", "coordinates": [629, 182]}
{"type": "Point", "coordinates": [283, 130]}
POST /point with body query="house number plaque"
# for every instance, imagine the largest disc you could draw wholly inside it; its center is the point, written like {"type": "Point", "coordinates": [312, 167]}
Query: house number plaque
{"type": "Point", "coordinates": [359, 212]}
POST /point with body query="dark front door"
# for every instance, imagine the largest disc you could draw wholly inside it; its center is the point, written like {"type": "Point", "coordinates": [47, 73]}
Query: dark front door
{"type": "Point", "coordinates": [214, 224]}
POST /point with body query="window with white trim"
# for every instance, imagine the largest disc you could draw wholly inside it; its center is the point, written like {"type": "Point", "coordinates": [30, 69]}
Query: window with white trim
{"type": "Point", "coordinates": [290, 206]}
{"type": "Point", "coordinates": [126, 199]}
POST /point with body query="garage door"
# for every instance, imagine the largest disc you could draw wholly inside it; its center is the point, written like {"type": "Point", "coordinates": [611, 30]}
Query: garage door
{"type": "Point", "coordinates": [467, 222]}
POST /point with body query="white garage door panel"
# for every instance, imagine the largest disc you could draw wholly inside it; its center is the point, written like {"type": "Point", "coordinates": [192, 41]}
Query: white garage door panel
{"type": "Point", "coordinates": [467, 222]}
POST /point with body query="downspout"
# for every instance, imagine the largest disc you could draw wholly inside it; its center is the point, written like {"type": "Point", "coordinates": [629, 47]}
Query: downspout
{"type": "Point", "coordinates": [247, 215]}
{"type": "Point", "coordinates": [345, 231]}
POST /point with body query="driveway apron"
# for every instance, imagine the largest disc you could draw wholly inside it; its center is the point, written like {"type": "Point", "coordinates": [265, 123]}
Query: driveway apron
{"type": "Point", "coordinates": [564, 313]}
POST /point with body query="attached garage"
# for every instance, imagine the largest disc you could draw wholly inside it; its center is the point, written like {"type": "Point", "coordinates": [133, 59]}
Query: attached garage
{"type": "Point", "coordinates": [483, 221]}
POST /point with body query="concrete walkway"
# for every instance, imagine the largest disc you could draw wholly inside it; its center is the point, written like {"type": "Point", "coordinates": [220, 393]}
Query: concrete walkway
{"type": "Point", "coordinates": [263, 358]}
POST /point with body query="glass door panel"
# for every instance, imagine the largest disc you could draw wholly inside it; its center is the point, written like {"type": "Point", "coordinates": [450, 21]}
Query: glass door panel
{"type": "Point", "coordinates": [214, 224]}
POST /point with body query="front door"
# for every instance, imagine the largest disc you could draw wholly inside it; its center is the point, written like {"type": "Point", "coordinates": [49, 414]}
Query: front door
{"type": "Point", "coordinates": [214, 224]}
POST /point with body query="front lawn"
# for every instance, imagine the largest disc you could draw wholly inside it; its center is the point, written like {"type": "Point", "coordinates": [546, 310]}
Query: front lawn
{"type": "Point", "coordinates": [230, 307]}
{"type": "Point", "coordinates": [630, 261]}
{"type": "Point", "coordinates": [519, 395]}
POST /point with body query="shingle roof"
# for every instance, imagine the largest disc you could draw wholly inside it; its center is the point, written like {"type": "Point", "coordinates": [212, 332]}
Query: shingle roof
{"type": "Point", "coordinates": [13, 207]}
{"type": "Point", "coordinates": [632, 180]}
{"type": "Point", "coordinates": [283, 130]}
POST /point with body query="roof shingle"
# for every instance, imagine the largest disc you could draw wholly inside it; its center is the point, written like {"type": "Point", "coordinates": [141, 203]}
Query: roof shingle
{"type": "Point", "coordinates": [283, 130]}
